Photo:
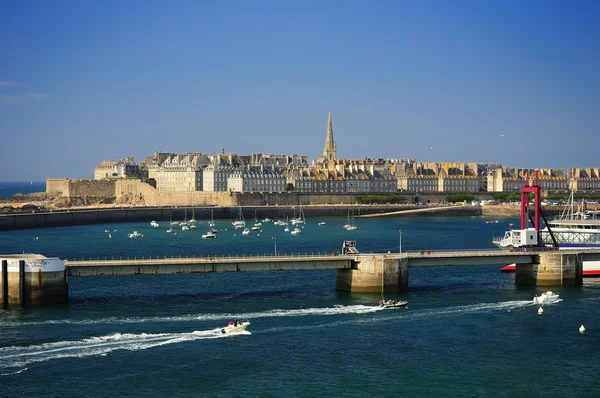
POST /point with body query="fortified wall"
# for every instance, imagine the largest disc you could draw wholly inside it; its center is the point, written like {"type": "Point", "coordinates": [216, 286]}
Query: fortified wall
{"type": "Point", "coordinates": [81, 188]}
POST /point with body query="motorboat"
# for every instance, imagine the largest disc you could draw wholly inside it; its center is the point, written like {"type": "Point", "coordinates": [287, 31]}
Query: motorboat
{"type": "Point", "coordinates": [246, 231]}
{"type": "Point", "coordinates": [185, 228]}
{"type": "Point", "coordinates": [322, 223]}
{"type": "Point", "coordinates": [546, 298]}
{"type": "Point", "coordinates": [193, 226]}
{"type": "Point", "coordinates": [154, 224]}
{"type": "Point", "coordinates": [234, 327]}
{"type": "Point", "coordinates": [214, 231]}
{"type": "Point", "coordinates": [134, 234]}
{"type": "Point", "coordinates": [209, 235]}
{"type": "Point", "coordinates": [287, 229]}
{"type": "Point", "coordinates": [296, 231]}
{"type": "Point", "coordinates": [392, 303]}
{"type": "Point", "coordinates": [267, 219]}
{"type": "Point", "coordinates": [255, 227]}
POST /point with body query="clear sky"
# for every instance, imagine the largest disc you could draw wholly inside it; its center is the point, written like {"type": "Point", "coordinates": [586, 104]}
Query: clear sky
{"type": "Point", "coordinates": [516, 82]}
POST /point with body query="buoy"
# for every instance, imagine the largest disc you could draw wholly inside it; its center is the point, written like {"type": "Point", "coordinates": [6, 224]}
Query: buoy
{"type": "Point", "coordinates": [540, 311]}
{"type": "Point", "coordinates": [581, 329]}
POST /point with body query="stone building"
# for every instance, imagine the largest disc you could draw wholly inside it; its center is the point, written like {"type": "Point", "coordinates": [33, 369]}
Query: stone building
{"type": "Point", "coordinates": [257, 179]}
{"type": "Point", "coordinates": [221, 166]}
{"type": "Point", "coordinates": [181, 172]}
{"type": "Point", "coordinates": [123, 168]}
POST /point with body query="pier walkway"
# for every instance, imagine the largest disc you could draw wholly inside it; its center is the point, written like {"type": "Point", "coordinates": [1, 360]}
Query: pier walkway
{"type": "Point", "coordinates": [177, 265]}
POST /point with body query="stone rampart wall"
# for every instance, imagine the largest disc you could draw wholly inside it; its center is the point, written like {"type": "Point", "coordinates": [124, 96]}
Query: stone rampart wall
{"type": "Point", "coordinates": [138, 191]}
{"type": "Point", "coordinates": [94, 188]}
{"type": "Point", "coordinates": [54, 185]}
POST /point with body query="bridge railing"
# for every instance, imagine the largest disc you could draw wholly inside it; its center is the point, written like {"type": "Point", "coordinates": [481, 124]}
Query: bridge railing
{"type": "Point", "coordinates": [206, 257]}
{"type": "Point", "coordinates": [455, 251]}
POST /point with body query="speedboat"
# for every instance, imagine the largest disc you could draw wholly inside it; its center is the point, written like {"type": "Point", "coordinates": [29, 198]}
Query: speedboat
{"type": "Point", "coordinates": [134, 234]}
{"type": "Point", "coordinates": [185, 228]}
{"type": "Point", "coordinates": [154, 224]}
{"type": "Point", "coordinates": [322, 223]}
{"type": "Point", "coordinates": [255, 227]}
{"type": "Point", "coordinates": [267, 219]}
{"type": "Point", "coordinates": [234, 327]}
{"type": "Point", "coordinates": [296, 231]}
{"type": "Point", "coordinates": [392, 304]}
{"type": "Point", "coordinates": [546, 298]}
{"type": "Point", "coordinates": [246, 231]}
{"type": "Point", "coordinates": [209, 235]}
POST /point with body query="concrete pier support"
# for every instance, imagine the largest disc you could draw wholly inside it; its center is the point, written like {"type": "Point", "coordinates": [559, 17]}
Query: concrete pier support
{"type": "Point", "coordinates": [374, 274]}
{"type": "Point", "coordinates": [552, 268]}
{"type": "Point", "coordinates": [32, 280]}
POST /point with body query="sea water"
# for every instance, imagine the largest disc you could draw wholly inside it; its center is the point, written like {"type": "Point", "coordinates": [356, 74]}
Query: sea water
{"type": "Point", "coordinates": [467, 331]}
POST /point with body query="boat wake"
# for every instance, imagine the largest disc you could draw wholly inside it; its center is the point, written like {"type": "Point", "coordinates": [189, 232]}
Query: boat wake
{"type": "Point", "coordinates": [335, 310]}
{"type": "Point", "coordinates": [15, 357]}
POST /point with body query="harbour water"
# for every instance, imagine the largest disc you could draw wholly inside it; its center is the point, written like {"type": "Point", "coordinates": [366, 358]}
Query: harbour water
{"type": "Point", "coordinates": [8, 189]}
{"type": "Point", "coordinates": [467, 331]}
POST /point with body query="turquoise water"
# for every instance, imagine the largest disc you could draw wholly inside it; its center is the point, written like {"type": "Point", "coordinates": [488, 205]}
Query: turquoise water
{"type": "Point", "coordinates": [8, 189]}
{"type": "Point", "coordinates": [468, 331]}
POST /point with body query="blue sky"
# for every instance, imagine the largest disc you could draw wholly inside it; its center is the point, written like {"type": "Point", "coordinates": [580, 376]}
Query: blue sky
{"type": "Point", "coordinates": [515, 82]}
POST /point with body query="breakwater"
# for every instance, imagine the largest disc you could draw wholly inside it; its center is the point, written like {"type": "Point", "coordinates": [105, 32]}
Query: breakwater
{"type": "Point", "coordinates": [132, 214]}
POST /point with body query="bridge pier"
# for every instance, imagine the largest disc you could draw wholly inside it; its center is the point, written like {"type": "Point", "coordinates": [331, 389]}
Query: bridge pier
{"type": "Point", "coordinates": [30, 280]}
{"type": "Point", "coordinates": [374, 274]}
{"type": "Point", "coordinates": [551, 268]}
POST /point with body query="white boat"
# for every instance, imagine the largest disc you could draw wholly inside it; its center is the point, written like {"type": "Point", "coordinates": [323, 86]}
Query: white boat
{"type": "Point", "coordinates": [154, 224]}
{"type": "Point", "coordinates": [255, 227]}
{"type": "Point", "coordinates": [170, 224]}
{"type": "Point", "coordinates": [287, 229]}
{"type": "Point", "coordinates": [212, 221]}
{"type": "Point", "coordinates": [193, 219]}
{"type": "Point", "coordinates": [246, 231]}
{"type": "Point", "coordinates": [322, 223]}
{"type": "Point", "coordinates": [351, 226]}
{"type": "Point", "coordinates": [185, 228]}
{"type": "Point", "coordinates": [267, 219]}
{"type": "Point", "coordinates": [348, 222]}
{"type": "Point", "coordinates": [239, 222]}
{"type": "Point", "coordinates": [209, 235]}
{"type": "Point", "coordinates": [193, 226]}
{"type": "Point", "coordinates": [300, 219]}
{"type": "Point", "coordinates": [234, 327]}
{"type": "Point", "coordinates": [546, 298]}
{"type": "Point", "coordinates": [134, 234]}
{"type": "Point", "coordinates": [296, 231]}
{"type": "Point", "coordinates": [392, 304]}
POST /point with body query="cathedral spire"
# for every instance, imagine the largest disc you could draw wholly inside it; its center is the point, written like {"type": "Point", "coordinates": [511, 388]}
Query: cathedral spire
{"type": "Point", "coordinates": [330, 151]}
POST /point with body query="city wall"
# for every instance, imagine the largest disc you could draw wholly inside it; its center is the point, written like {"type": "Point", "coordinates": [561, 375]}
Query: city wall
{"type": "Point", "coordinates": [81, 188]}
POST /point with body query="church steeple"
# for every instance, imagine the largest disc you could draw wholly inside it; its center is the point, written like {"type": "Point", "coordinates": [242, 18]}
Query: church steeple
{"type": "Point", "coordinates": [330, 151]}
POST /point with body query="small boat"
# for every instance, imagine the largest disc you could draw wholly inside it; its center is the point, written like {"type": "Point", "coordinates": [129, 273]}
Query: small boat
{"type": "Point", "coordinates": [134, 234]}
{"type": "Point", "coordinates": [239, 222]}
{"type": "Point", "coordinates": [255, 227]}
{"type": "Point", "coordinates": [193, 226]}
{"type": "Point", "coordinates": [322, 223]}
{"type": "Point", "coordinates": [209, 235]}
{"type": "Point", "coordinates": [351, 226]}
{"type": "Point", "coordinates": [193, 219]}
{"type": "Point", "coordinates": [235, 326]}
{"type": "Point", "coordinates": [509, 268]}
{"type": "Point", "coordinates": [296, 231]}
{"type": "Point", "coordinates": [154, 224]}
{"type": "Point", "coordinates": [185, 228]}
{"type": "Point", "coordinates": [392, 304]}
{"type": "Point", "coordinates": [214, 231]}
{"type": "Point", "coordinates": [246, 231]}
{"type": "Point", "coordinates": [266, 220]}
{"type": "Point", "coordinates": [348, 222]}
{"type": "Point", "coordinates": [212, 220]}
{"type": "Point", "coordinates": [546, 298]}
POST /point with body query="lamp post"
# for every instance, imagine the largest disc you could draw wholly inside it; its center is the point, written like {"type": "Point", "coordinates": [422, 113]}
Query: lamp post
{"type": "Point", "coordinates": [275, 244]}
{"type": "Point", "coordinates": [400, 238]}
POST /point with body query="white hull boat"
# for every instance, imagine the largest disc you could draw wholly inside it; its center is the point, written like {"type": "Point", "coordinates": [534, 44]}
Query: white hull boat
{"type": "Point", "coordinates": [392, 304]}
{"type": "Point", "coordinates": [546, 298]}
{"type": "Point", "coordinates": [209, 235]}
{"type": "Point", "coordinates": [234, 328]}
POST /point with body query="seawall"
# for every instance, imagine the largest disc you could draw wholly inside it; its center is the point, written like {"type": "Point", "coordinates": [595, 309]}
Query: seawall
{"type": "Point", "coordinates": [131, 214]}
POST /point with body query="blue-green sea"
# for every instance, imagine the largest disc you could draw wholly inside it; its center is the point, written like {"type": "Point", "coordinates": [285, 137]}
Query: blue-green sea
{"type": "Point", "coordinates": [467, 331]}
{"type": "Point", "coordinates": [8, 189]}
